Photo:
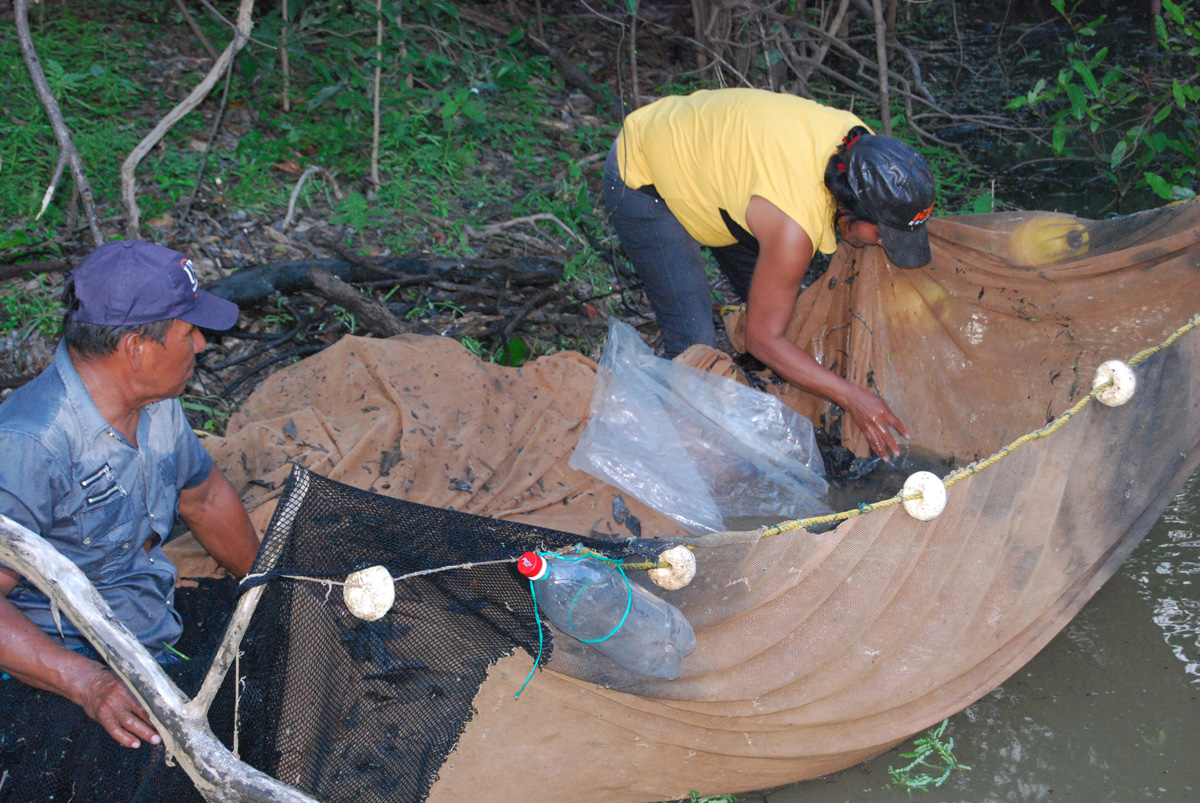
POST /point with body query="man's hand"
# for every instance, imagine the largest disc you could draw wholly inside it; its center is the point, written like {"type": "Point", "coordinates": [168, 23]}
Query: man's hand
{"type": "Point", "coordinates": [32, 657]}
{"type": "Point", "coordinates": [875, 420]}
{"type": "Point", "coordinates": [104, 698]}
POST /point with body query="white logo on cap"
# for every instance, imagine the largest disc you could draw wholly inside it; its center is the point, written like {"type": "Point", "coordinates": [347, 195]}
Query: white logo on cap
{"type": "Point", "coordinates": [186, 264]}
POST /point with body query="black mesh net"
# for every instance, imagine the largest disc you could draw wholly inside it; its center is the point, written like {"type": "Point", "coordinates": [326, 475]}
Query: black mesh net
{"type": "Point", "coordinates": [51, 751]}
{"type": "Point", "coordinates": [346, 709]}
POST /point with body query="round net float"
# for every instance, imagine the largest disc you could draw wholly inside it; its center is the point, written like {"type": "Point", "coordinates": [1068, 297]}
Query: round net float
{"type": "Point", "coordinates": [1123, 383]}
{"type": "Point", "coordinates": [369, 593]}
{"type": "Point", "coordinates": [933, 495]}
{"type": "Point", "coordinates": [679, 573]}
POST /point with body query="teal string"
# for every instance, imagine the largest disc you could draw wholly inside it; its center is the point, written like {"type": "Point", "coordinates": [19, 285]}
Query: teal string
{"type": "Point", "coordinates": [536, 661]}
{"type": "Point", "coordinates": [533, 593]}
{"type": "Point", "coordinates": [628, 592]}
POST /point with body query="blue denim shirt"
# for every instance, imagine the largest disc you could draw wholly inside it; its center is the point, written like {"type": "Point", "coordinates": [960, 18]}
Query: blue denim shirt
{"type": "Point", "coordinates": [73, 479]}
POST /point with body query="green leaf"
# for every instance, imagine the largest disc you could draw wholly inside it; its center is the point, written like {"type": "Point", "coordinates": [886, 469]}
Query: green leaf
{"type": "Point", "coordinates": [1058, 139]}
{"type": "Point", "coordinates": [983, 203]}
{"type": "Point", "coordinates": [1118, 153]}
{"type": "Point", "coordinates": [1163, 114]}
{"type": "Point", "coordinates": [1078, 102]}
{"type": "Point", "coordinates": [514, 353]}
{"type": "Point", "coordinates": [1177, 91]}
{"type": "Point", "coordinates": [1036, 92]}
{"type": "Point", "coordinates": [1160, 185]}
{"type": "Point", "coordinates": [322, 96]}
{"type": "Point", "coordinates": [1160, 28]}
{"type": "Point", "coordinates": [1017, 102]}
{"type": "Point", "coordinates": [516, 35]}
{"type": "Point", "coordinates": [1089, 80]}
{"type": "Point", "coordinates": [1176, 11]}
{"type": "Point", "coordinates": [474, 112]}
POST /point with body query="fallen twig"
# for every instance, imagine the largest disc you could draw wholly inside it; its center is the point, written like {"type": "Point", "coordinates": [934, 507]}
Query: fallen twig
{"type": "Point", "coordinates": [308, 173]}
{"type": "Point", "coordinates": [496, 228]}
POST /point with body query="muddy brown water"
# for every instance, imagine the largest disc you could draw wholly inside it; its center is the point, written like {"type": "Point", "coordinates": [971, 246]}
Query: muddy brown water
{"type": "Point", "coordinates": [1108, 712]}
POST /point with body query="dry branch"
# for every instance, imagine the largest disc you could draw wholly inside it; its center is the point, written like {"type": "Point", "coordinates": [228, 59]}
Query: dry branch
{"type": "Point", "coordinates": [196, 30]}
{"type": "Point", "coordinates": [374, 316]}
{"type": "Point", "coordinates": [312, 170]}
{"type": "Point", "coordinates": [61, 134]}
{"type": "Point", "coordinates": [129, 166]}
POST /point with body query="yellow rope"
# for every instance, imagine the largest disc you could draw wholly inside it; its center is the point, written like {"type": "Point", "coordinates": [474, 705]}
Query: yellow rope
{"type": "Point", "coordinates": [975, 468]}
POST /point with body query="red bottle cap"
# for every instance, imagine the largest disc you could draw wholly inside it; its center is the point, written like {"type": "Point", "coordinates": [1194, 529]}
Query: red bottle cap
{"type": "Point", "coordinates": [532, 565]}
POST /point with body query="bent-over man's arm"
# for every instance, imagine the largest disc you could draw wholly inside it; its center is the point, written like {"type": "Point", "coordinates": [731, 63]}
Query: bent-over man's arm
{"type": "Point", "coordinates": [219, 521]}
{"type": "Point", "coordinates": [32, 657]}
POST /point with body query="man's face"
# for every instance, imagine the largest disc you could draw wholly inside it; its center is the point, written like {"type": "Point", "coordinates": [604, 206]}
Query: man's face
{"type": "Point", "coordinates": [167, 368]}
{"type": "Point", "coordinates": [861, 233]}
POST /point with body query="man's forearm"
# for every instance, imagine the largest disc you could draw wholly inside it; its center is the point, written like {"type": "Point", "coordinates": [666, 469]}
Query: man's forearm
{"type": "Point", "coordinates": [32, 657]}
{"type": "Point", "coordinates": [219, 521]}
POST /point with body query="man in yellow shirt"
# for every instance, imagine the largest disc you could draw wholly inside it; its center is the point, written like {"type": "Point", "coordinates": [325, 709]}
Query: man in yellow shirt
{"type": "Point", "coordinates": [763, 180]}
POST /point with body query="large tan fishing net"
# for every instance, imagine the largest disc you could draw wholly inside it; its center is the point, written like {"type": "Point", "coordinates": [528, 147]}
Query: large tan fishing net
{"type": "Point", "coordinates": [816, 651]}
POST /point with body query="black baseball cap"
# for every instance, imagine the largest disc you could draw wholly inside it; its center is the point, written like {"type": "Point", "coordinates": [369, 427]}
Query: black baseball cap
{"type": "Point", "coordinates": [894, 185]}
{"type": "Point", "coordinates": [131, 282]}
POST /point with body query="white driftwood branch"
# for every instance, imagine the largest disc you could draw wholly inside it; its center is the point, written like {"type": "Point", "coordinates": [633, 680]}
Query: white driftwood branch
{"type": "Point", "coordinates": [129, 166]}
{"type": "Point", "coordinates": [218, 776]}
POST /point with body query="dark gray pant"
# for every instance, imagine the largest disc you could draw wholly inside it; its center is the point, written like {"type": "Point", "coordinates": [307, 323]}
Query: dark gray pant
{"type": "Point", "coordinates": [667, 260]}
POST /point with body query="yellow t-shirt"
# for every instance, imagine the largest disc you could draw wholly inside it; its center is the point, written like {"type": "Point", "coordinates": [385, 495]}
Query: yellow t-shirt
{"type": "Point", "coordinates": [714, 149]}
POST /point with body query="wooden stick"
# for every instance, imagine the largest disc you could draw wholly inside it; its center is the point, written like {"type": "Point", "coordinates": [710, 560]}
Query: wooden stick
{"type": "Point", "coordinates": [129, 166]}
{"type": "Point", "coordinates": [283, 53]}
{"type": "Point", "coordinates": [191, 23]}
{"type": "Point", "coordinates": [375, 104]}
{"type": "Point", "coordinates": [885, 109]}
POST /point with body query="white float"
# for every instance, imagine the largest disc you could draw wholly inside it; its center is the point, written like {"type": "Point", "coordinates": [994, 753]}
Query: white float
{"type": "Point", "coordinates": [679, 573]}
{"type": "Point", "coordinates": [1123, 383]}
{"type": "Point", "coordinates": [369, 593]}
{"type": "Point", "coordinates": [933, 495]}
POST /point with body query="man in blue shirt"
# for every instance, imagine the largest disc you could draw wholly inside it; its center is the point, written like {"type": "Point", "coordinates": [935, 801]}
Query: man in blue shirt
{"type": "Point", "coordinates": [97, 457]}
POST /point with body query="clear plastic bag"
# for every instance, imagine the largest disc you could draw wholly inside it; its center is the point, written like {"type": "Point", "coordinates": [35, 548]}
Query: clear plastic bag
{"type": "Point", "coordinates": [695, 446]}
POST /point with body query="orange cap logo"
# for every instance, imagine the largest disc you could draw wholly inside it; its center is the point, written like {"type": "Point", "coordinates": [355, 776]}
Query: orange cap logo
{"type": "Point", "coordinates": [921, 217]}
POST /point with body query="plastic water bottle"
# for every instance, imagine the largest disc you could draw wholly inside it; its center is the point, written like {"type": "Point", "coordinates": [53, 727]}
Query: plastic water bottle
{"type": "Point", "coordinates": [588, 599]}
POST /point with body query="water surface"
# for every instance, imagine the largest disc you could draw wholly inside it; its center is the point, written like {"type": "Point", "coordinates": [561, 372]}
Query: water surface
{"type": "Point", "coordinates": [1108, 712]}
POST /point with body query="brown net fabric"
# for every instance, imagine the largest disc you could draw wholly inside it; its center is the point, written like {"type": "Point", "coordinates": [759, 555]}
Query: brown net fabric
{"type": "Point", "coordinates": [1004, 329]}
{"type": "Point", "coordinates": [815, 651]}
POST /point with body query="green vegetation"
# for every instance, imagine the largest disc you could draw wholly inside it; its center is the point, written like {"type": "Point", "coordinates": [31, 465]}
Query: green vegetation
{"type": "Point", "coordinates": [929, 754]}
{"type": "Point", "coordinates": [472, 127]}
{"type": "Point", "coordinates": [212, 411]}
{"type": "Point", "coordinates": [27, 312]}
{"type": "Point", "coordinates": [1136, 119]}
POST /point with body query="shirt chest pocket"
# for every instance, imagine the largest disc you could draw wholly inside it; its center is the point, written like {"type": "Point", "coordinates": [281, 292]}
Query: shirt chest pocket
{"type": "Point", "coordinates": [106, 519]}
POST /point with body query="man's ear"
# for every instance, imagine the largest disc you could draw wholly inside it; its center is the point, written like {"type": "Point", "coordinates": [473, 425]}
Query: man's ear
{"type": "Point", "coordinates": [131, 347]}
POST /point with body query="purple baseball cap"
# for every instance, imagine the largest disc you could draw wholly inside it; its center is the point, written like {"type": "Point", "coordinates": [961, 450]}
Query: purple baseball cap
{"type": "Point", "coordinates": [131, 282]}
